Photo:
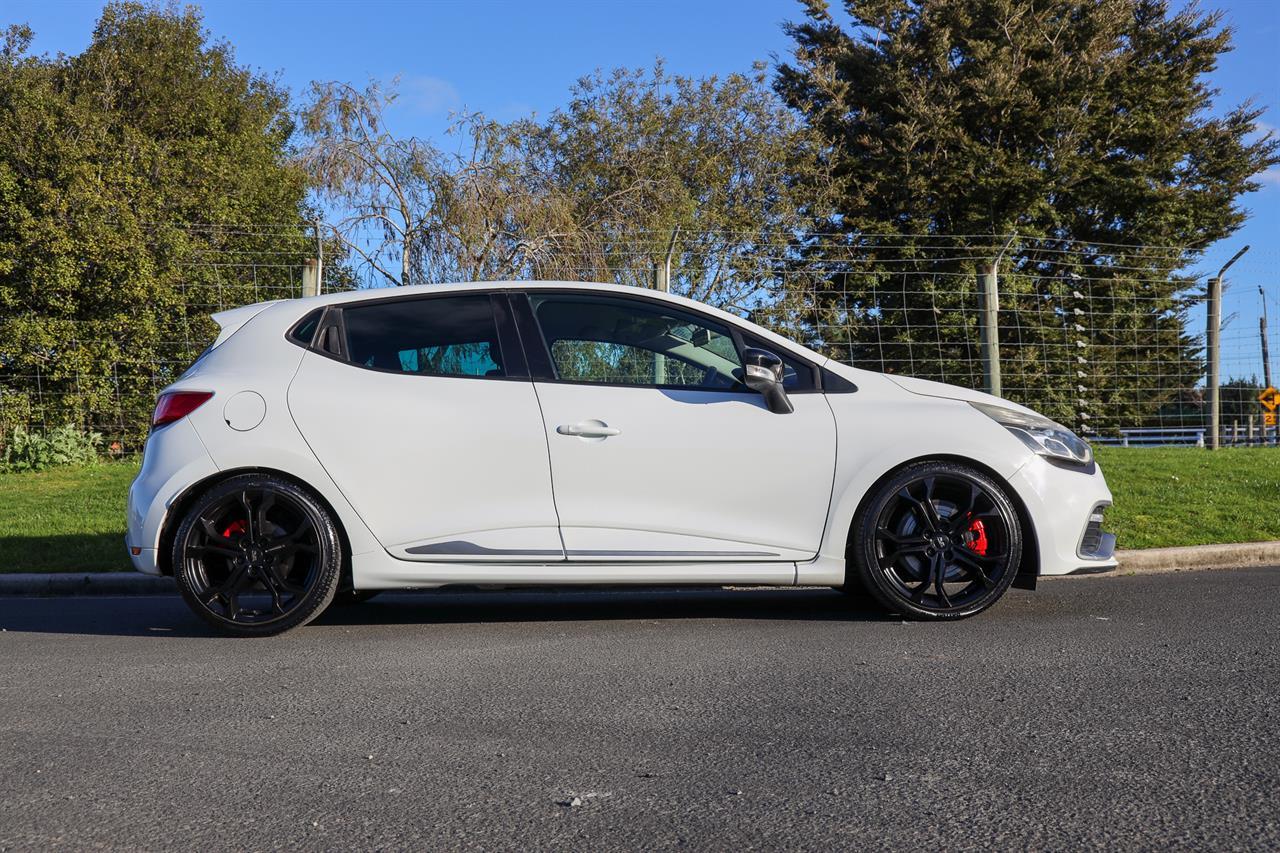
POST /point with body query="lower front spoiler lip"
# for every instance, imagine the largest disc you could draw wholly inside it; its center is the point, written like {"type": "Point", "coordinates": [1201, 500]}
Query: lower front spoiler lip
{"type": "Point", "coordinates": [1093, 570]}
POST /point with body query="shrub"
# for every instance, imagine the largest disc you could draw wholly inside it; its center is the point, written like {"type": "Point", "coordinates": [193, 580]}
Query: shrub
{"type": "Point", "coordinates": [33, 451]}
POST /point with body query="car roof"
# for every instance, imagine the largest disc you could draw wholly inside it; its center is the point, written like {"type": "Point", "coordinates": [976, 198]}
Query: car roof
{"type": "Point", "coordinates": [463, 287]}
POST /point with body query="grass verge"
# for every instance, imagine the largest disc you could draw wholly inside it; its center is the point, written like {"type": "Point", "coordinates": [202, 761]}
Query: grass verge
{"type": "Point", "coordinates": [72, 519]}
{"type": "Point", "coordinates": [65, 519]}
{"type": "Point", "coordinates": [1167, 496]}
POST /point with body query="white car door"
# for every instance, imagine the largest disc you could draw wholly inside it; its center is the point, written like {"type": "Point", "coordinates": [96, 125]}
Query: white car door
{"type": "Point", "coordinates": [423, 413]}
{"type": "Point", "coordinates": [658, 452]}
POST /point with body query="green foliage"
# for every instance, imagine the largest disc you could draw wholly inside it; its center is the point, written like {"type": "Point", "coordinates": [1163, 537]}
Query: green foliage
{"type": "Point", "coordinates": [638, 164]}
{"type": "Point", "coordinates": [715, 170]}
{"type": "Point", "coordinates": [33, 451]}
{"type": "Point", "coordinates": [1082, 126]}
{"type": "Point", "coordinates": [1237, 400]}
{"type": "Point", "coordinates": [1167, 496]}
{"type": "Point", "coordinates": [67, 519]}
{"type": "Point", "coordinates": [106, 158]}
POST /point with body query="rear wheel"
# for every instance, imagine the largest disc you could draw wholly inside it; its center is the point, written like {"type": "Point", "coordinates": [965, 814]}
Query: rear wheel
{"type": "Point", "coordinates": [938, 540]}
{"type": "Point", "coordinates": [257, 555]}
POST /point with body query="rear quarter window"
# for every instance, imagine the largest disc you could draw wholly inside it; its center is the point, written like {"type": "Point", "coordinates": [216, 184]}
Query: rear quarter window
{"type": "Point", "coordinates": [436, 336]}
{"type": "Point", "coordinates": [305, 330]}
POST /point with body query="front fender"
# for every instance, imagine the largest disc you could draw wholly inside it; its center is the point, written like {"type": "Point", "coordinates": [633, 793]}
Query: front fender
{"type": "Point", "coordinates": [879, 429]}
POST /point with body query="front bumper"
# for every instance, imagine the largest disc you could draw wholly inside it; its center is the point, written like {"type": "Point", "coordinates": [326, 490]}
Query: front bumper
{"type": "Point", "coordinates": [174, 459]}
{"type": "Point", "coordinates": [1060, 502]}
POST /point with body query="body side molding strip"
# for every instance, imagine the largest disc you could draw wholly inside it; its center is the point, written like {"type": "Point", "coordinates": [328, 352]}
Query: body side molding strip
{"type": "Point", "coordinates": [462, 548]}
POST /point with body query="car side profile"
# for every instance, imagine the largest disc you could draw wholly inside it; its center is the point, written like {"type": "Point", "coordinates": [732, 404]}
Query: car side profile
{"type": "Point", "coordinates": [560, 433]}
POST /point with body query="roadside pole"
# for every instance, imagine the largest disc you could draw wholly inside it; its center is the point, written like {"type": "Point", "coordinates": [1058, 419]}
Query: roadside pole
{"type": "Point", "coordinates": [1266, 357]}
{"type": "Point", "coordinates": [1262, 335]}
{"type": "Point", "coordinates": [1212, 328]}
{"type": "Point", "coordinates": [989, 327]}
{"type": "Point", "coordinates": [662, 282]}
{"type": "Point", "coordinates": [313, 268]}
{"type": "Point", "coordinates": [310, 277]}
{"type": "Point", "coordinates": [1213, 334]}
{"type": "Point", "coordinates": [662, 272]}
{"type": "Point", "coordinates": [319, 257]}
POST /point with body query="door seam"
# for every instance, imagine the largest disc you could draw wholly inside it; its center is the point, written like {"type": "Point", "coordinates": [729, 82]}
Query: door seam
{"type": "Point", "coordinates": [551, 470]}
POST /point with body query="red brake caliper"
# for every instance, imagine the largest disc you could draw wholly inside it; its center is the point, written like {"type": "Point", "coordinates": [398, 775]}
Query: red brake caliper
{"type": "Point", "coordinates": [237, 527]}
{"type": "Point", "coordinates": [978, 543]}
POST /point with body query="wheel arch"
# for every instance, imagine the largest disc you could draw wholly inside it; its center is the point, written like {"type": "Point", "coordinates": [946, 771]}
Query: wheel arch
{"type": "Point", "coordinates": [1028, 571]}
{"type": "Point", "coordinates": [178, 510]}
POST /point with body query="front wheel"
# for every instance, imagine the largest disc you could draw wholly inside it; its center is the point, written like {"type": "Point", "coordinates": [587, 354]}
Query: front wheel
{"type": "Point", "coordinates": [937, 540]}
{"type": "Point", "coordinates": [257, 555]}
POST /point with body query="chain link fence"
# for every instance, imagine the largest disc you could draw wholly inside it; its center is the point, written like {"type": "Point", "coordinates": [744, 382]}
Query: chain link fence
{"type": "Point", "coordinates": [1109, 340]}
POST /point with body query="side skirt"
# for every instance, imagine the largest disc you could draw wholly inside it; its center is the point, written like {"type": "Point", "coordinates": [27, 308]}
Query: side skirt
{"type": "Point", "coordinates": [379, 570]}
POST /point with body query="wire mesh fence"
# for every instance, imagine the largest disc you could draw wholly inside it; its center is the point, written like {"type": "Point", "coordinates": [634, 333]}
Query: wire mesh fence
{"type": "Point", "coordinates": [1107, 339]}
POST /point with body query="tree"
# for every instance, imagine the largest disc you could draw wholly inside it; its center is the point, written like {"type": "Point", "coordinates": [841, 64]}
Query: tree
{"type": "Point", "coordinates": [715, 172]}
{"type": "Point", "coordinates": [1081, 126]}
{"type": "Point", "coordinates": [639, 164]}
{"type": "Point", "coordinates": [124, 171]}
{"type": "Point", "coordinates": [384, 186]}
{"type": "Point", "coordinates": [414, 213]}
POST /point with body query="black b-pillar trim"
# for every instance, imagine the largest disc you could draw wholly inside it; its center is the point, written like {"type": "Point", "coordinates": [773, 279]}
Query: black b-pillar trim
{"type": "Point", "coordinates": [513, 360]}
{"type": "Point", "coordinates": [535, 348]}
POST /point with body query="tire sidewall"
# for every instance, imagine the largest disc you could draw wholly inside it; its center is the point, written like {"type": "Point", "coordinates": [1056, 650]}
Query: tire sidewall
{"type": "Point", "coordinates": [329, 558]}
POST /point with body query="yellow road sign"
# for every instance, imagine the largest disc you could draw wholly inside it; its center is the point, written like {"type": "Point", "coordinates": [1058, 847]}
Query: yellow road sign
{"type": "Point", "coordinates": [1269, 399]}
{"type": "Point", "coordinates": [1268, 419]}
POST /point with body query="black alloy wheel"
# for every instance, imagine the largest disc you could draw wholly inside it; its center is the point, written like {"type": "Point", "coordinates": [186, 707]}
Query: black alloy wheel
{"type": "Point", "coordinates": [257, 555]}
{"type": "Point", "coordinates": [938, 541]}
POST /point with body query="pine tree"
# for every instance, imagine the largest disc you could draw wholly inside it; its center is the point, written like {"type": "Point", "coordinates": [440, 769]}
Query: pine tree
{"type": "Point", "coordinates": [1084, 127]}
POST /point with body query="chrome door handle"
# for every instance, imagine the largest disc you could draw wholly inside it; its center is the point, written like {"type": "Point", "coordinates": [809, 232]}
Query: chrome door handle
{"type": "Point", "coordinates": [589, 429]}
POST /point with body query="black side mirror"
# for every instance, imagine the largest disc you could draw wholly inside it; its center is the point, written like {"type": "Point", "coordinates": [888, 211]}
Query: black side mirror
{"type": "Point", "coordinates": [763, 373]}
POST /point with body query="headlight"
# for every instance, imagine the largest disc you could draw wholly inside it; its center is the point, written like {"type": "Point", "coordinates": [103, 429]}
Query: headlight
{"type": "Point", "coordinates": [1040, 434]}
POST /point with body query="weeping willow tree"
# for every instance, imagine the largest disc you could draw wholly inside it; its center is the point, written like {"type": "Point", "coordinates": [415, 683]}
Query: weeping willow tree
{"type": "Point", "coordinates": [641, 170]}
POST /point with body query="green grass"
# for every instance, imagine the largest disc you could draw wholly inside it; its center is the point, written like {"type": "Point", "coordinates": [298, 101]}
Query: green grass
{"type": "Point", "coordinates": [65, 519]}
{"type": "Point", "coordinates": [1190, 496]}
{"type": "Point", "coordinates": [72, 519]}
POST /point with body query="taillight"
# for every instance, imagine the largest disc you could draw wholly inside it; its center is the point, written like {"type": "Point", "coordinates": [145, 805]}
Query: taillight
{"type": "Point", "coordinates": [175, 405]}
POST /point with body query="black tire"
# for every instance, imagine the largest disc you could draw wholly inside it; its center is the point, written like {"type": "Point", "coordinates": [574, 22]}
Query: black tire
{"type": "Point", "coordinates": [257, 555]}
{"type": "Point", "coordinates": [936, 541]}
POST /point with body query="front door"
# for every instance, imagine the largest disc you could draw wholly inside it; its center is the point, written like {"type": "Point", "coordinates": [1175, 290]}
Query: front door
{"type": "Point", "coordinates": [429, 425]}
{"type": "Point", "coordinates": [659, 453]}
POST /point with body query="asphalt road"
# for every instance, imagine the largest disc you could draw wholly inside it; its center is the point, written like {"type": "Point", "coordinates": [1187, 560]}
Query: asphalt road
{"type": "Point", "coordinates": [1135, 712]}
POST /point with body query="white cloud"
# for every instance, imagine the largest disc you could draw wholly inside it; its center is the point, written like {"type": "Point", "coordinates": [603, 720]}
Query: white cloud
{"type": "Point", "coordinates": [429, 95]}
{"type": "Point", "coordinates": [1271, 177]}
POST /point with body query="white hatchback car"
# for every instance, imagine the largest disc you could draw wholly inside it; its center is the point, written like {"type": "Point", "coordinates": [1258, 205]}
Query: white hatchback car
{"type": "Point", "coordinates": [565, 433]}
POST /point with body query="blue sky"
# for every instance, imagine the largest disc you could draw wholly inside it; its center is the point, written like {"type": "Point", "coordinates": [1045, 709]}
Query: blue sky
{"type": "Point", "coordinates": [509, 58]}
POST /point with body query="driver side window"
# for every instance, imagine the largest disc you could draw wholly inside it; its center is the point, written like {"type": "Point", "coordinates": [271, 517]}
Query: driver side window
{"type": "Point", "coordinates": [617, 341]}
